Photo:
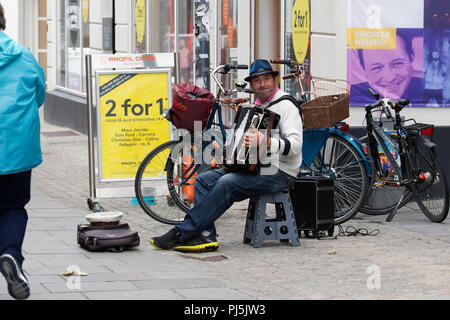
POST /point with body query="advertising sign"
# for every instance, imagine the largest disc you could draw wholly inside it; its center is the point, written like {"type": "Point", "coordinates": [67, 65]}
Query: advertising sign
{"type": "Point", "coordinates": [85, 6]}
{"type": "Point", "coordinates": [301, 21]}
{"type": "Point", "coordinates": [140, 20]}
{"type": "Point", "coordinates": [401, 49]}
{"type": "Point", "coordinates": [129, 119]}
{"type": "Point", "coordinates": [131, 61]}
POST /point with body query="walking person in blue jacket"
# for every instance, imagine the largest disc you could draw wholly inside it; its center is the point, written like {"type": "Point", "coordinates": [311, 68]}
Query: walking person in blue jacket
{"type": "Point", "coordinates": [22, 92]}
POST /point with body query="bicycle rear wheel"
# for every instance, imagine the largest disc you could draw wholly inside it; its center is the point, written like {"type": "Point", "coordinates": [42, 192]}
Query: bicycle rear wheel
{"type": "Point", "coordinates": [339, 160]}
{"type": "Point", "coordinates": [158, 184]}
{"type": "Point", "coordinates": [430, 188]}
{"type": "Point", "coordinates": [385, 190]}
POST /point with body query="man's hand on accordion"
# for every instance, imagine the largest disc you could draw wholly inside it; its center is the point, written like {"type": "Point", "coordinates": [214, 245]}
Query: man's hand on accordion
{"type": "Point", "coordinates": [255, 139]}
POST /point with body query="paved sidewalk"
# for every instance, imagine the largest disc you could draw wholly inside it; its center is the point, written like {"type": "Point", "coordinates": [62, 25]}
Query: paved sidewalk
{"type": "Point", "coordinates": [144, 273]}
{"type": "Point", "coordinates": [408, 259]}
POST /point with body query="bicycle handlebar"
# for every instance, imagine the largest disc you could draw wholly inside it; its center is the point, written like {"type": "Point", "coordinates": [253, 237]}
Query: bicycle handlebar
{"type": "Point", "coordinates": [226, 69]}
{"type": "Point", "coordinates": [299, 73]}
{"type": "Point", "coordinates": [298, 70]}
{"type": "Point", "coordinates": [397, 105]}
{"type": "Point", "coordinates": [374, 93]}
{"type": "Point", "coordinates": [242, 66]}
{"type": "Point", "coordinates": [289, 76]}
{"type": "Point", "coordinates": [280, 61]}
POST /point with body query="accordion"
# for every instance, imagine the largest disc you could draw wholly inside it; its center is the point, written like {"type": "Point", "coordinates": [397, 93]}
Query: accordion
{"type": "Point", "coordinates": [238, 157]}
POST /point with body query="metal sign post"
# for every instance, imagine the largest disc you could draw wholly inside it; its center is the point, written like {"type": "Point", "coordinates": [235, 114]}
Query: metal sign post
{"type": "Point", "coordinates": [113, 63]}
{"type": "Point", "coordinates": [91, 201]}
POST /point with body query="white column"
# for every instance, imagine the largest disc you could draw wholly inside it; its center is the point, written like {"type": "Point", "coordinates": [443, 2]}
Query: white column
{"type": "Point", "coordinates": [14, 19]}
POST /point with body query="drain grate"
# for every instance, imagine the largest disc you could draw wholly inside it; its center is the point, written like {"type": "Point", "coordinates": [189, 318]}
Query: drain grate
{"type": "Point", "coordinates": [210, 258]}
{"type": "Point", "coordinates": [60, 133]}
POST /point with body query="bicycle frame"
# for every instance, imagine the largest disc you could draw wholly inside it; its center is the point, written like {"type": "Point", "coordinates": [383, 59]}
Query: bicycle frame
{"type": "Point", "coordinates": [315, 139]}
{"type": "Point", "coordinates": [215, 109]}
{"type": "Point", "coordinates": [377, 137]}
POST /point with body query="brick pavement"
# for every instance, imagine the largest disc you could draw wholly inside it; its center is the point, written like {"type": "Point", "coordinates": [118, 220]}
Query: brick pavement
{"type": "Point", "coordinates": [408, 259]}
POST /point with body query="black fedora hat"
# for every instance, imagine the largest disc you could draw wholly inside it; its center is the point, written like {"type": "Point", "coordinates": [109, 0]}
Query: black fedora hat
{"type": "Point", "coordinates": [260, 66]}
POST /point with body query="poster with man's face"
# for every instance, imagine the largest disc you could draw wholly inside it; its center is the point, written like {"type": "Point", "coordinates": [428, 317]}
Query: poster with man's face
{"type": "Point", "coordinates": [400, 49]}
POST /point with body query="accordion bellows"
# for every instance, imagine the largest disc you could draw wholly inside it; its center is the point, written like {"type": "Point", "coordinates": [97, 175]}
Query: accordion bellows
{"type": "Point", "coordinates": [238, 157]}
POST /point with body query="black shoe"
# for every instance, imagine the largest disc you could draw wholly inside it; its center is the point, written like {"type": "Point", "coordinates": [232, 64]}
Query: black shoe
{"type": "Point", "coordinates": [166, 241]}
{"type": "Point", "coordinates": [200, 243]}
{"type": "Point", "coordinates": [18, 286]}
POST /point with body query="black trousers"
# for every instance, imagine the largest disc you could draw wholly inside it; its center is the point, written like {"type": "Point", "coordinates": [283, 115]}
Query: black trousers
{"type": "Point", "coordinates": [14, 195]}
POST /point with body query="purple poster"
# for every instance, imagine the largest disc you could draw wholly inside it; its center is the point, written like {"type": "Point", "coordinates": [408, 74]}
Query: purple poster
{"type": "Point", "coordinates": [401, 50]}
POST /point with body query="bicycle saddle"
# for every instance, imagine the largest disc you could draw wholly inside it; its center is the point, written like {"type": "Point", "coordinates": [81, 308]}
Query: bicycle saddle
{"type": "Point", "coordinates": [398, 105]}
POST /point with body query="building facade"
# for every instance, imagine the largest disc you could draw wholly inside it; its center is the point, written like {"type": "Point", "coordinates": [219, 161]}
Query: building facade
{"type": "Point", "coordinates": [206, 33]}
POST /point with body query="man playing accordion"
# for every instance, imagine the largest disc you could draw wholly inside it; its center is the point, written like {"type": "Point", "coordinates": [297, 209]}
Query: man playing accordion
{"type": "Point", "coordinates": [217, 190]}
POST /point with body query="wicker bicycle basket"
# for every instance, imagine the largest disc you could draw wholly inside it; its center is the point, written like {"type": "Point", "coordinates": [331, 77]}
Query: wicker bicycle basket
{"type": "Point", "coordinates": [330, 104]}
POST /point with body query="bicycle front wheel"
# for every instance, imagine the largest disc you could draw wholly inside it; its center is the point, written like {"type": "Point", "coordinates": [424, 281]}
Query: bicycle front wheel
{"type": "Point", "coordinates": [339, 160]}
{"type": "Point", "coordinates": [430, 188]}
{"type": "Point", "coordinates": [158, 184]}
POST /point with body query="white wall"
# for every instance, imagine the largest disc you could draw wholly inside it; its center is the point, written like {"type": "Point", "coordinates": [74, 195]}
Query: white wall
{"type": "Point", "coordinates": [244, 38]}
{"type": "Point", "coordinates": [13, 19]}
{"type": "Point", "coordinates": [95, 26]}
{"type": "Point", "coordinates": [267, 29]}
{"type": "Point", "coordinates": [97, 11]}
{"type": "Point", "coordinates": [328, 39]}
{"type": "Point", "coordinates": [52, 44]}
{"type": "Point", "coordinates": [21, 22]}
{"type": "Point", "coordinates": [123, 26]}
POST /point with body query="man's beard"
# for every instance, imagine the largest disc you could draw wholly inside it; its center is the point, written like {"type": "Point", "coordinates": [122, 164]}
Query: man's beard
{"type": "Point", "coordinates": [265, 93]}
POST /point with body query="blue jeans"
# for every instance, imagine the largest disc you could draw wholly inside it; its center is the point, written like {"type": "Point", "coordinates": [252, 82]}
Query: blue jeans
{"type": "Point", "coordinates": [14, 195]}
{"type": "Point", "coordinates": [217, 190]}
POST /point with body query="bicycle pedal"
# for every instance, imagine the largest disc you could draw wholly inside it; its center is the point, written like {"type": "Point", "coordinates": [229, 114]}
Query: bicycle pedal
{"type": "Point", "coordinates": [406, 182]}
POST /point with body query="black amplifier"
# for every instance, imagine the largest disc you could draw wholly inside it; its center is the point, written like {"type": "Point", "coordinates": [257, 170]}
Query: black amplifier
{"type": "Point", "coordinates": [313, 203]}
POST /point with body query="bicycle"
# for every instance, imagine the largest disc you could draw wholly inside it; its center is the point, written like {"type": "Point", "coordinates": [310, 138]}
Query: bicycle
{"type": "Point", "coordinates": [412, 163]}
{"type": "Point", "coordinates": [333, 152]}
{"type": "Point", "coordinates": [164, 183]}
{"type": "Point", "coordinates": [330, 152]}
